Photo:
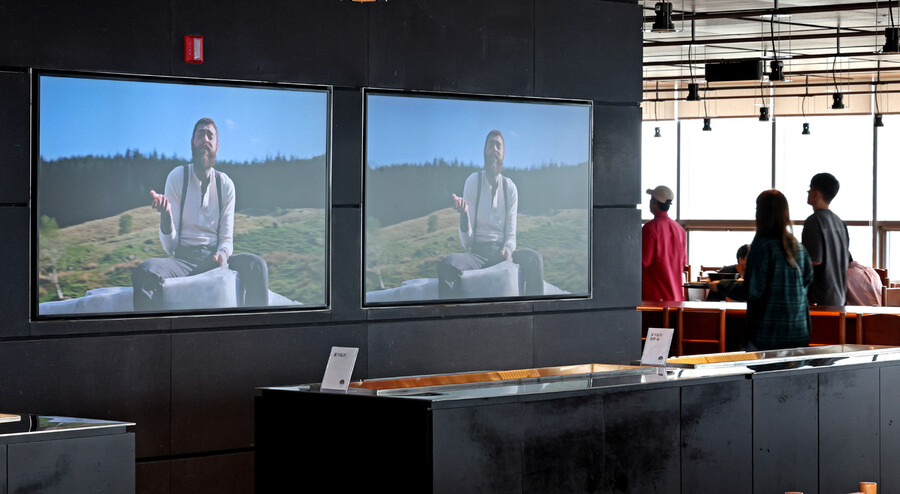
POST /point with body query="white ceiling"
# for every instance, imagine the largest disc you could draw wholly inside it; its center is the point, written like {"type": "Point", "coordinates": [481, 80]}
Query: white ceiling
{"type": "Point", "coordinates": [806, 39]}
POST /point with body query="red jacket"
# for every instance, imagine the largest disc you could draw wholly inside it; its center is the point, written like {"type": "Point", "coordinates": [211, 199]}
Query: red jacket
{"type": "Point", "coordinates": [664, 257]}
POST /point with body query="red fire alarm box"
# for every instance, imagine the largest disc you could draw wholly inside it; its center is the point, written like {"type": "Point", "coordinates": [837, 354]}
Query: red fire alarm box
{"type": "Point", "coordinates": [193, 49]}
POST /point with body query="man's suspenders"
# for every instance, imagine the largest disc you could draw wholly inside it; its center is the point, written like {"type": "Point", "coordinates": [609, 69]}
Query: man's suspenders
{"type": "Point", "coordinates": [478, 200]}
{"type": "Point", "coordinates": [184, 196]}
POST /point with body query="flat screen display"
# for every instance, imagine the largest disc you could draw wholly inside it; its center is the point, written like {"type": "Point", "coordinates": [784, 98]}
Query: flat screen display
{"type": "Point", "coordinates": [475, 199]}
{"type": "Point", "coordinates": [159, 196]}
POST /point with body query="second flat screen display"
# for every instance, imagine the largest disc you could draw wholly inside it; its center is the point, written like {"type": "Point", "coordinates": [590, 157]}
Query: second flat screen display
{"type": "Point", "coordinates": [476, 199]}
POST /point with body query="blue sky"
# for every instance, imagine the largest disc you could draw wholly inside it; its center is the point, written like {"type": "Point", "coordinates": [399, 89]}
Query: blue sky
{"type": "Point", "coordinates": [412, 129]}
{"type": "Point", "coordinates": [81, 116]}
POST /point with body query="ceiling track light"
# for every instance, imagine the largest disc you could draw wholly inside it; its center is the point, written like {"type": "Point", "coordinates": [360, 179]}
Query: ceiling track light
{"type": "Point", "coordinates": [663, 22]}
{"type": "Point", "coordinates": [764, 114]}
{"type": "Point", "coordinates": [706, 124]}
{"type": "Point", "coordinates": [693, 92]}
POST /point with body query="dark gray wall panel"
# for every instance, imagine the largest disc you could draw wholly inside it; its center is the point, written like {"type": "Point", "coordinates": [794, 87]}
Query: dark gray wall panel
{"type": "Point", "coordinates": [848, 429]}
{"type": "Point", "coordinates": [617, 254]}
{"type": "Point", "coordinates": [553, 446]}
{"type": "Point", "coordinates": [642, 424]}
{"type": "Point", "coordinates": [14, 291]}
{"type": "Point", "coordinates": [481, 449]}
{"type": "Point", "coordinates": [890, 429]}
{"type": "Point", "coordinates": [615, 265]}
{"type": "Point", "coordinates": [716, 438]}
{"type": "Point", "coordinates": [3, 478]}
{"type": "Point", "coordinates": [346, 262]}
{"type": "Point", "coordinates": [603, 337]}
{"type": "Point", "coordinates": [617, 155]}
{"type": "Point", "coordinates": [15, 129]}
{"type": "Point", "coordinates": [785, 434]}
{"type": "Point", "coordinates": [152, 477]}
{"type": "Point", "coordinates": [99, 464]}
{"type": "Point", "coordinates": [214, 377]}
{"type": "Point", "coordinates": [458, 46]}
{"type": "Point", "coordinates": [114, 378]}
{"type": "Point", "coordinates": [314, 41]}
{"type": "Point", "coordinates": [587, 49]}
{"type": "Point", "coordinates": [86, 35]}
{"type": "Point", "coordinates": [454, 345]}
{"type": "Point", "coordinates": [347, 151]}
{"type": "Point", "coordinates": [222, 474]}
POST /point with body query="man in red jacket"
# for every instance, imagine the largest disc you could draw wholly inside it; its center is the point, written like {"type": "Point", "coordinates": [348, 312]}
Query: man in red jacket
{"type": "Point", "coordinates": [664, 251]}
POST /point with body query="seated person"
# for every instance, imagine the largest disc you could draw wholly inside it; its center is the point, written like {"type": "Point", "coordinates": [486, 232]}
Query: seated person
{"type": "Point", "coordinates": [487, 227]}
{"type": "Point", "coordinates": [734, 268]}
{"type": "Point", "coordinates": [863, 285]}
{"type": "Point", "coordinates": [196, 228]}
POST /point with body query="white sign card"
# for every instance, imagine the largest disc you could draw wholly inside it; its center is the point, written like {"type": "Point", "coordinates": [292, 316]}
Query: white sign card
{"type": "Point", "coordinates": [656, 347]}
{"type": "Point", "coordinates": [339, 368]}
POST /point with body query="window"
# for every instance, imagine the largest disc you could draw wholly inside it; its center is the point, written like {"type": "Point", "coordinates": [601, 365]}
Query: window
{"type": "Point", "coordinates": [722, 171]}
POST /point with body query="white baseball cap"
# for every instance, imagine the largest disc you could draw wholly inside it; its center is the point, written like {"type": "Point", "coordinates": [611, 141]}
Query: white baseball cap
{"type": "Point", "coordinates": [662, 193]}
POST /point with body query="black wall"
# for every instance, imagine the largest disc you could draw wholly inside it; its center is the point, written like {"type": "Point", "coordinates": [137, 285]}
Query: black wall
{"type": "Point", "coordinates": [189, 382]}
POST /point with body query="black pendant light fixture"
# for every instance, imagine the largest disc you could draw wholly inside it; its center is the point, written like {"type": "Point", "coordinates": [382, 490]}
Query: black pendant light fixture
{"type": "Point", "coordinates": [656, 132]}
{"type": "Point", "coordinates": [693, 92]}
{"type": "Point", "coordinates": [803, 108]}
{"type": "Point", "coordinates": [837, 101]}
{"type": "Point", "coordinates": [879, 120]}
{"type": "Point", "coordinates": [663, 22]}
{"type": "Point", "coordinates": [764, 114]}
{"type": "Point", "coordinates": [891, 39]}
{"type": "Point", "coordinates": [837, 97]}
{"type": "Point", "coordinates": [706, 124]}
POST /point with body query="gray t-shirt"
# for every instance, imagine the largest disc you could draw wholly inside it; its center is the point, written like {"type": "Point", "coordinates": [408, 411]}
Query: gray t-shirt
{"type": "Point", "coordinates": [827, 241]}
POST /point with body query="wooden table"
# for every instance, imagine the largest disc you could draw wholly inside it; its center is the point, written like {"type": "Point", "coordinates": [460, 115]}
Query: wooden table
{"type": "Point", "coordinates": [823, 317]}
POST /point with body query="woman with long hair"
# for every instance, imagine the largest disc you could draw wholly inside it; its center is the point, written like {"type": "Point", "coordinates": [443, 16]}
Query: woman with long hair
{"type": "Point", "coordinates": [775, 281]}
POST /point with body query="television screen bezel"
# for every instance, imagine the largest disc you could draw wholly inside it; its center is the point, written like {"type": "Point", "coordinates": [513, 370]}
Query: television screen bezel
{"type": "Point", "coordinates": [474, 97]}
{"type": "Point", "coordinates": [34, 255]}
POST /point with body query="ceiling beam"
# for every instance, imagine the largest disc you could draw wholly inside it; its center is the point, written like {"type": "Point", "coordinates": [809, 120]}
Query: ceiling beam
{"type": "Point", "coordinates": [810, 9]}
{"type": "Point", "coordinates": [759, 39]}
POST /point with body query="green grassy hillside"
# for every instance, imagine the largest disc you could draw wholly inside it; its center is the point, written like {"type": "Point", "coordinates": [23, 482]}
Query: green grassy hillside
{"type": "Point", "coordinates": [94, 254]}
{"type": "Point", "coordinates": [408, 250]}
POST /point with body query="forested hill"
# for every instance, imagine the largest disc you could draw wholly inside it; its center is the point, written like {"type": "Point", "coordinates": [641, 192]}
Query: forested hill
{"type": "Point", "coordinates": [401, 192]}
{"type": "Point", "coordinates": [83, 188]}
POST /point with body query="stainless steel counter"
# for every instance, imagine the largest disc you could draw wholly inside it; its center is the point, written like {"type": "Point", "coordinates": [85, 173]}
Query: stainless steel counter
{"type": "Point", "coordinates": [790, 358]}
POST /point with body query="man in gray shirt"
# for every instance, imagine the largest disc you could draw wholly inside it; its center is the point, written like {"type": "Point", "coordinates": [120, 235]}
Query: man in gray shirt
{"type": "Point", "coordinates": [826, 239]}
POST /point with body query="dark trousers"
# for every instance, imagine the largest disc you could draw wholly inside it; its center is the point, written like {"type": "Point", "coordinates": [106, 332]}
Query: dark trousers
{"type": "Point", "coordinates": [451, 267]}
{"type": "Point", "coordinates": [148, 276]}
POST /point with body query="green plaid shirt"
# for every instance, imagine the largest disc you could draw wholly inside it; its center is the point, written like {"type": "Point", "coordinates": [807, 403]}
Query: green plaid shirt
{"type": "Point", "coordinates": [775, 292]}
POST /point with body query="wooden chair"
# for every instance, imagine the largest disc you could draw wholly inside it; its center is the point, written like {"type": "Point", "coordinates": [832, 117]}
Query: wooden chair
{"type": "Point", "coordinates": [890, 297]}
{"type": "Point", "coordinates": [709, 269]}
{"type": "Point", "coordinates": [703, 330]}
{"type": "Point", "coordinates": [878, 329]}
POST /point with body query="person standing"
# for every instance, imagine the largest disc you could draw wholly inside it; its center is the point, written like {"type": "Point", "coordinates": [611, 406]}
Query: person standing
{"type": "Point", "coordinates": [775, 282]}
{"type": "Point", "coordinates": [826, 239]}
{"type": "Point", "coordinates": [664, 251]}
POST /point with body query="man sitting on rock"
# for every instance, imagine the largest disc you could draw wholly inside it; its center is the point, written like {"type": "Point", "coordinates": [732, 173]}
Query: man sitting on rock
{"type": "Point", "coordinates": [487, 226]}
{"type": "Point", "coordinates": [196, 227]}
